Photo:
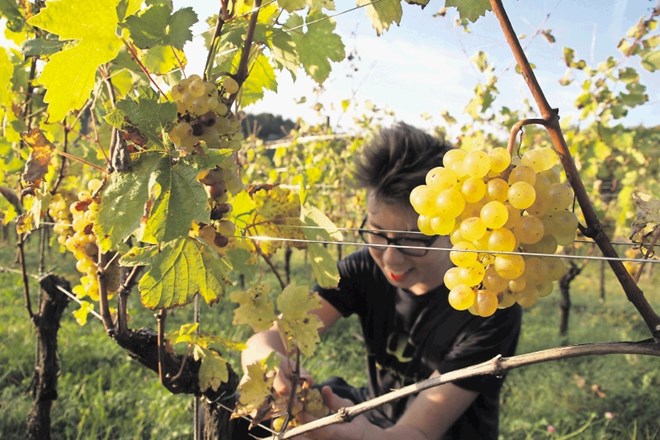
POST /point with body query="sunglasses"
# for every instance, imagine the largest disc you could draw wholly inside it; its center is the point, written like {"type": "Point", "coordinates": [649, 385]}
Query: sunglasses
{"type": "Point", "coordinates": [413, 247]}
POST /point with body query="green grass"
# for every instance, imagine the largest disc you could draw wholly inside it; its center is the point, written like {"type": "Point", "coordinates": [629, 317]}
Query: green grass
{"type": "Point", "coordinates": [104, 394]}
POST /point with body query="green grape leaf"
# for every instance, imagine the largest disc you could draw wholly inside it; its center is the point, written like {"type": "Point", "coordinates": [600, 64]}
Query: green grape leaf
{"type": "Point", "coordinates": [158, 26]}
{"type": "Point", "coordinates": [68, 76]}
{"type": "Point", "coordinates": [321, 228]}
{"type": "Point", "coordinates": [298, 326]}
{"type": "Point", "coordinates": [255, 309]}
{"type": "Point", "coordinates": [470, 10]}
{"type": "Point", "coordinates": [9, 11]}
{"type": "Point", "coordinates": [284, 52]}
{"type": "Point", "coordinates": [123, 201]}
{"type": "Point", "coordinates": [213, 369]}
{"type": "Point", "coordinates": [41, 46]}
{"type": "Point", "coordinates": [242, 208]}
{"type": "Point", "coordinates": [318, 46]}
{"type": "Point", "coordinates": [242, 260]}
{"type": "Point", "coordinates": [147, 114]}
{"type": "Point", "coordinates": [176, 200]}
{"type": "Point", "coordinates": [163, 59]}
{"type": "Point", "coordinates": [421, 3]}
{"type": "Point", "coordinates": [383, 13]}
{"type": "Point", "coordinates": [178, 270]}
{"type": "Point", "coordinates": [126, 8]}
{"type": "Point", "coordinates": [261, 78]}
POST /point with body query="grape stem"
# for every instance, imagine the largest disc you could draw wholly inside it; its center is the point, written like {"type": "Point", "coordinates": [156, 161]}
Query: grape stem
{"type": "Point", "coordinates": [242, 72]}
{"type": "Point", "coordinates": [496, 366]}
{"type": "Point", "coordinates": [551, 118]}
{"type": "Point", "coordinates": [517, 128]}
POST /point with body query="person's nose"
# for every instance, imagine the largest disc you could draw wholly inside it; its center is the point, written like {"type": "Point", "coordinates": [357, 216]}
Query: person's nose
{"type": "Point", "coordinates": [393, 257]}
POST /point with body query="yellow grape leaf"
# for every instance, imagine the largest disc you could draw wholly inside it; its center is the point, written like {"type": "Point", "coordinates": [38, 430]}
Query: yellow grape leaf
{"type": "Point", "coordinates": [298, 326]}
{"type": "Point", "coordinates": [257, 389]}
{"type": "Point", "coordinates": [255, 308]}
{"type": "Point", "coordinates": [213, 369]}
{"type": "Point", "coordinates": [91, 28]}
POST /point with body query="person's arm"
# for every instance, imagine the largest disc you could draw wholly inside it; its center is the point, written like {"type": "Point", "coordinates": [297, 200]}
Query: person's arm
{"type": "Point", "coordinates": [429, 417]}
{"type": "Point", "coordinates": [265, 342]}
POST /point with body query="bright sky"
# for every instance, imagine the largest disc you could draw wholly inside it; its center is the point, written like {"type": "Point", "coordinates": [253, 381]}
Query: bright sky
{"type": "Point", "coordinates": [423, 67]}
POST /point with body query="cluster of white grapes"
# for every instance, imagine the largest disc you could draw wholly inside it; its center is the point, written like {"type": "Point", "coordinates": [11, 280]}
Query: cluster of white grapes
{"type": "Point", "coordinates": [308, 400]}
{"type": "Point", "coordinates": [219, 182]}
{"type": "Point", "coordinates": [494, 208]}
{"type": "Point", "coordinates": [204, 115]}
{"type": "Point", "coordinates": [76, 233]}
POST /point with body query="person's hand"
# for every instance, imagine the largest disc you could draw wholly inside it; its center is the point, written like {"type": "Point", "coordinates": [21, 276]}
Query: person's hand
{"type": "Point", "coordinates": [284, 377]}
{"type": "Point", "coordinates": [353, 430]}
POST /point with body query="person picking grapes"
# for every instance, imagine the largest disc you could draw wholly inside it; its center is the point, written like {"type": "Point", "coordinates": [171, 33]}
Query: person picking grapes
{"type": "Point", "coordinates": [395, 286]}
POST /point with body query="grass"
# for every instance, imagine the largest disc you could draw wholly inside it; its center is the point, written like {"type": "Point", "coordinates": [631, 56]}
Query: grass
{"type": "Point", "coordinates": [103, 394]}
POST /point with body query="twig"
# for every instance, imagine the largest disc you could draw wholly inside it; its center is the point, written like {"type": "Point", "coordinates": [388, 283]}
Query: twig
{"type": "Point", "coordinates": [242, 72]}
{"type": "Point", "coordinates": [103, 292]}
{"type": "Point", "coordinates": [160, 317]}
{"type": "Point", "coordinates": [122, 301]}
{"type": "Point", "coordinates": [550, 115]}
{"type": "Point", "coordinates": [215, 39]}
{"type": "Point", "coordinates": [648, 254]}
{"type": "Point", "coordinates": [517, 127]}
{"type": "Point", "coordinates": [24, 275]}
{"type": "Point", "coordinates": [496, 366]}
{"type": "Point", "coordinates": [136, 58]}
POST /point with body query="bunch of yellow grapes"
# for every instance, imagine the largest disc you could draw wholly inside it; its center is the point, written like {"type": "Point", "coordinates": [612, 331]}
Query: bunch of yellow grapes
{"type": "Point", "coordinates": [498, 213]}
{"type": "Point", "coordinates": [204, 114]}
{"type": "Point", "coordinates": [78, 237]}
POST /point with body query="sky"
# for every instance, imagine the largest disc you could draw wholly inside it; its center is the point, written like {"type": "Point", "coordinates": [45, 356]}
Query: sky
{"type": "Point", "coordinates": [422, 67]}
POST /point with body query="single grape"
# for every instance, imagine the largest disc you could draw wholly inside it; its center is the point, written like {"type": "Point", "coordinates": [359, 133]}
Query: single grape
{"type": "Point", "coordinates": [453, 278]}
{"type": "Point", "coordinates": [422, 200]}
{"type": "Point", "coordinates": [459, 257]}
{"type": "Point", "coordinates": [442, 225]}
{"type": "Point", "coordinates": [473, 189]}
{"type": "Point", "coordinates": [494, 214]}
{"type": "Point", "coordinates": [230, 85]}
{"type": "Point", "coordinates": [461, 297]}
{"type": "Point", "coordinates": [485, 304]}
{"type": "Point", "coordinates": [502, 240]}
{"type": "Point", "coordinates": [472, 228]}
{"type": "Point", "coordinates": [521, 195]}
{"type": "Point", "coordinates": [561, 196]}
{"type": "Point", "coordinates": [452, 157]}
{"type": "Point", "coordinates": [506, 299]}
{"type": "Point", "coordinates": [497, 189]}
{"type": "Point", "coordinates": [529, 230]}
{"type": "Point", "coordinates": [476, 163]}
{"type": "Point", "coordinates": [472, 274]}
{"type": "Point", "coordinates": [522, 174]}
{"type": "Point", "coordinates": [509, 267]}
{"type": "Point", "coordinates": [449, 203]}
{"type": "Point", "coordinates": [493, 281]}
{"type": "Point", "coordinates": [440, 178]}
{"type": "Point", "coordinates": [500, 159]}
{"type": "Point", "coordinates": [518, 284]}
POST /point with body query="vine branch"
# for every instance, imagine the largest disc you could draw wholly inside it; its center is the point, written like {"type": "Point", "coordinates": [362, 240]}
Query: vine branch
{"type": "Point", "coordinates": [517, 128]}
{"type": "Point", "coordinates": [496, 366]}
{"type": "Point", "coordinates": [550, 116]}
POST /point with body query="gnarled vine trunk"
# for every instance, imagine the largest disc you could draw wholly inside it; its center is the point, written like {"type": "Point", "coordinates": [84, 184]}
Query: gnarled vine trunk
{"type": "Point", "coordinates": [52, 304]}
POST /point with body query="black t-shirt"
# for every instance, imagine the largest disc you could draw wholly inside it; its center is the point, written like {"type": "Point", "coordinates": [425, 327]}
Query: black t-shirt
{"type": "Point", "coordinates": [409, 336]}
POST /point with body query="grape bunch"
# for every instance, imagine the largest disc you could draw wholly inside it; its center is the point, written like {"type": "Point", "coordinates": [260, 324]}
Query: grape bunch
{"type": "Point", "coordinates": [494, 207]}
{"type": "Point", "coordinates": [308, 400]}
{"type": "Point", "coordinates": [76, 233]}
{"type": "Point", "coordinates": [219, 182]}
{"type": "Point", "coordinates": [204, 115]}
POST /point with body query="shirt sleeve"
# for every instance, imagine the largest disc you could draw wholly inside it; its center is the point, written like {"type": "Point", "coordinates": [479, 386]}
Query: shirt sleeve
{"type": "Point", "coordinates": [481, 341]}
